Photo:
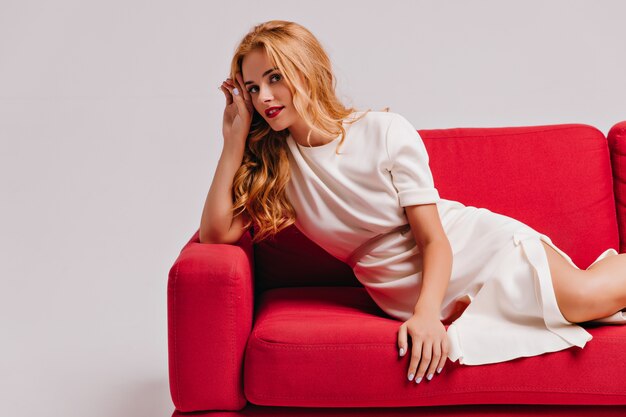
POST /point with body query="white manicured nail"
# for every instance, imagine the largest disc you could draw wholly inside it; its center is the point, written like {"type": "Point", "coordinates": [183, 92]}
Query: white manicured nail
{"type": "Point", "coordinates": [235, 91]}
{"type": "Point", "coordinates": [429, 377]}
{"type": "Point", "coordinates": [411, 377]}
{"type": "Point", "coordinates": [401, 351]}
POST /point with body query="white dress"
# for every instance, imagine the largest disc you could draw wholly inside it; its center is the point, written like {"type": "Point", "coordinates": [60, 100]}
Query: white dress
{"type": "Point", "coordinates": [500, 300]}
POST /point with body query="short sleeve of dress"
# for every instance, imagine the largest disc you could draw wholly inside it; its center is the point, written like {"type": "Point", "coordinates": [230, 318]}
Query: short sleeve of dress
{"type": "Point", "coordinates": [408, 161]}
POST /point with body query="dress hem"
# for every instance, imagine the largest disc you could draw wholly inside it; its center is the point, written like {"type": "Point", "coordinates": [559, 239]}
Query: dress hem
{"type": "Point", "coordinates": [470, 334]}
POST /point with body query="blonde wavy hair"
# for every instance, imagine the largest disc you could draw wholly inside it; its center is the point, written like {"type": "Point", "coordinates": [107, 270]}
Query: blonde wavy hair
{"type": "Point", "coordinates": [259, 184]}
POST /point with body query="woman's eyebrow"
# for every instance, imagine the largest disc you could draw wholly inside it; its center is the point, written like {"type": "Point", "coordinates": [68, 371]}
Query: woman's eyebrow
{"type": "Point", "coordinates": [264, 74]}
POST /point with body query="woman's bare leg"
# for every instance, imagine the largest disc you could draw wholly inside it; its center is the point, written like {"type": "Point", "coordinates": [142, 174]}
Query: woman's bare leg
{"type": "Point", "coordinates": [613, 269]}
{"type": "Point", "coordinates": [584, 295]}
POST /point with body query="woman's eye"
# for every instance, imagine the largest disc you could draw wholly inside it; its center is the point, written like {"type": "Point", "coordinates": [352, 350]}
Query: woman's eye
{"type": "Point", "coordinates": [271, 77]}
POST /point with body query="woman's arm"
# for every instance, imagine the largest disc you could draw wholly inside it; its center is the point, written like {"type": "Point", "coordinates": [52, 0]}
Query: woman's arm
{"type": "Point", "coordinates": [437, 256]}
{"type": "Point", "coordinates": [429, 337]}
{"type": "Point", "coordinates": [217, 222]}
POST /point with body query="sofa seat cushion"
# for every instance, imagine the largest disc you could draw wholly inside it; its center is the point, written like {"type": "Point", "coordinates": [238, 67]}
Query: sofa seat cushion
{"type": "Point", "coordinates": [333, 347]}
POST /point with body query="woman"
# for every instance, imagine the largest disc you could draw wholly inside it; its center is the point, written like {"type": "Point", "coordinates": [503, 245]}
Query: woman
{"type": "Point", "coordinates": [510, 292]}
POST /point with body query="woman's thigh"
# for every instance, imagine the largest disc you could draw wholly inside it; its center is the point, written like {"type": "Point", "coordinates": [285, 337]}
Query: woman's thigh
{"type": "Point", "coordinates": [580, 296]}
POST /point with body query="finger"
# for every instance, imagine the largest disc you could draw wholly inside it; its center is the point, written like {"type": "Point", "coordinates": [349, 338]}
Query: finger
{"type": "Point", "coordinates": [416, 354]}
{"type": "Point", "coordinates": [434, 360]}
{"type": "Point", "coordinates": [444, 355]}
{"type": "Point", "coordinates": [235, 83]}
{"type": "Point", "coordinates": [427, 351]}
{"type": "Point", "coordinates": [402, 344]}
{"type": "Point", "coordinates": [238, 97]}
{"type": "Point", "coordinates": [229, 97]}
{"type": "Point", "coordinates": [229, 86]}
{"type": "Point", "coordinates": [246, 94]}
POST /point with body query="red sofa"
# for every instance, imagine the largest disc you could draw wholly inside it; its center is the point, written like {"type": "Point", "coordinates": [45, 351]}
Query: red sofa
{"type": "Point", "coordinates": [281, 328]}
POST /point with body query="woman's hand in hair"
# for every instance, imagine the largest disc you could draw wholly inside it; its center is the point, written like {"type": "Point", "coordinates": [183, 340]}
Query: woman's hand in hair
{"type": "Point", "coordinates": [237, 113]}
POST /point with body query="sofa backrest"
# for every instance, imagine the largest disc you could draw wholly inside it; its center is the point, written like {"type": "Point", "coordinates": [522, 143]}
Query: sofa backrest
{"type": "Point", "coordinates": [617, 146]}
{"type": "Point", "coordinates": [555, 178]}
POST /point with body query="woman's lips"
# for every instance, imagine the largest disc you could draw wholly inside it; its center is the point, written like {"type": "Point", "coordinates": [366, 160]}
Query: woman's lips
{"type": "Point", "coordinates": [276, 113]}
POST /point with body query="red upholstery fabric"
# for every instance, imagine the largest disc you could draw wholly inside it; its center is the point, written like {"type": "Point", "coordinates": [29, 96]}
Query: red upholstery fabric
{"type": "Point", "coordinates": [438, 411]}
{"type": "Point", "coordinates": [557, 179]}
{"type": "Point", "coordinates": [210, 311]}
{"type": "Point", "coordinates": [617, 145]}
{"type": "Point", "coordinates": [333, 347]}
{"type": "Point", "coordinates": [292, 260]}
{"type": "Point", "coordinates": [242, 329]}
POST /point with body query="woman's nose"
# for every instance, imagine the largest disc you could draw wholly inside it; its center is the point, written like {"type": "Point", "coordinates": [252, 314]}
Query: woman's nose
{"type": "Point", "coordinates": [266, 94]}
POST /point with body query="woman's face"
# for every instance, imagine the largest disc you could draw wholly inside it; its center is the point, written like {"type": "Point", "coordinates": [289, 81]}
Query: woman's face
{"type": "Point", "coordinates": [268, 88]}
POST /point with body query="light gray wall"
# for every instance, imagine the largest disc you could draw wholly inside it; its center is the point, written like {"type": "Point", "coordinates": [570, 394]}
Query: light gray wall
{"type": "Point", "coordinates": [110, 128]}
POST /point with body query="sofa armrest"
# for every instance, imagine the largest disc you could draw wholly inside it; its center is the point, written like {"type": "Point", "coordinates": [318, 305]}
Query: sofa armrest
{"type": "Point", "coordinates": [210, 306]}
{"type": "Point", "coordinates": [617, 146]}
